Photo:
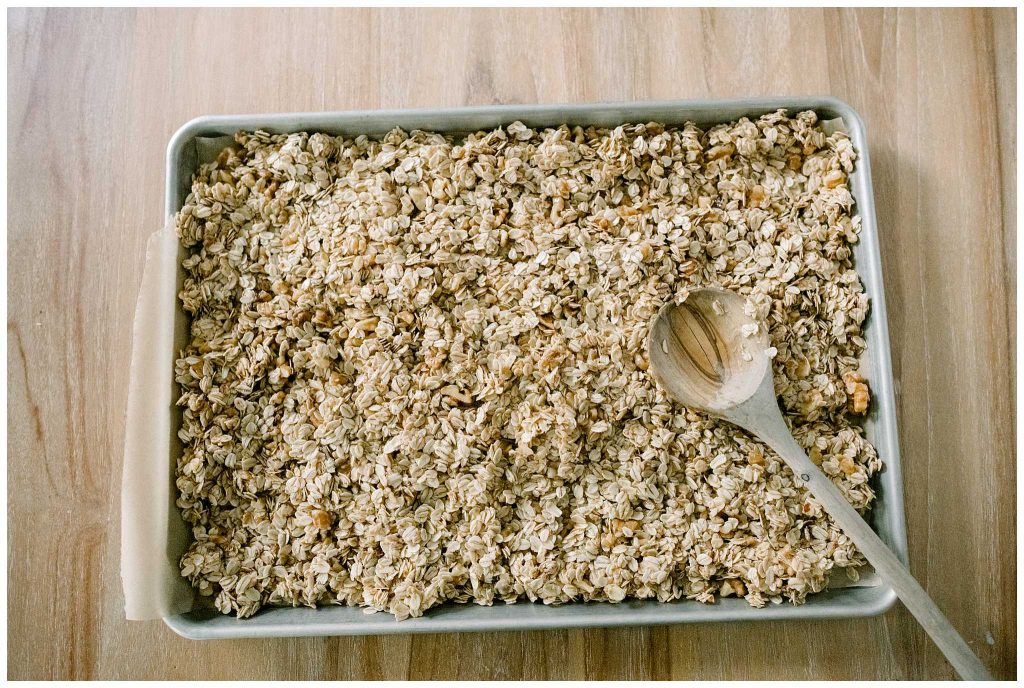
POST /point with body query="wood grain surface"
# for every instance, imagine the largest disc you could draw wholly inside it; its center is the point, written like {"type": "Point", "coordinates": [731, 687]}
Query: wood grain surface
{"type": "Point", "coordinates": [94, 96]}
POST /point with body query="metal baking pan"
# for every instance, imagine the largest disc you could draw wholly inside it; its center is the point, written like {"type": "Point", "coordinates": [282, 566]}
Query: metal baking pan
{"type": "Point", "coordinates": [183, 156]}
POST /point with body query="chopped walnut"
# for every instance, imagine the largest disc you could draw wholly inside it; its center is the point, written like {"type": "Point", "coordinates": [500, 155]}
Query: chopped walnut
{"type": "Point", "coordinates": [847, 466]}
{"type": "Point", "coordinates": [857, 390]}
{"type": "Point", "coordinates": [322, 519]}
{"type": "Point", "coordinates": [719, 152]}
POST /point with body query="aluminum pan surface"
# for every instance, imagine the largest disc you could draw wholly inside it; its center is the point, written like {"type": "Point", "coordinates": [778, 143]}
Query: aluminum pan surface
{"type": "Point", "coordinates": [880, 425]}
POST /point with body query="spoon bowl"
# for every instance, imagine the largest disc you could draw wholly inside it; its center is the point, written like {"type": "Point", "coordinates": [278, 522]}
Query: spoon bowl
{"type": "Point", "coordinates": [707, 352]}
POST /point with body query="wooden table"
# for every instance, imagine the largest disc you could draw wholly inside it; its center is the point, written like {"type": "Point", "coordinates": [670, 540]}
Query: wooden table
{"type": "Point", "coordinates": [95, 95]}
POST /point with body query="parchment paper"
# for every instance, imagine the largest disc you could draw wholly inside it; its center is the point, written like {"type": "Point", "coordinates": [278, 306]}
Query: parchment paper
{"type": "Point", "coordinates": [153, 534]}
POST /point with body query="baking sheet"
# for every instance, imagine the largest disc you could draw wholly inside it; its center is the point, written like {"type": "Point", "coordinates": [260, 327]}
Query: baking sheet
{"type": "Point", "coordinates": [154, 536]}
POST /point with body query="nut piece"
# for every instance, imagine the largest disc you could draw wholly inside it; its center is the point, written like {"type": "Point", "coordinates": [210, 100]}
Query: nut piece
{"type": "Point", "coordinates": [722, 151]}
{"type": "Point", "coordinates": [757, 196]}
{"type": "Point", "coordinates": [847, 466]}
{"type": "Point", "coordinates": [857, 390]}
{"type": "Point", "coordinates": [834, 179]}
{"type": "Point", "coordinates": [322, 519]}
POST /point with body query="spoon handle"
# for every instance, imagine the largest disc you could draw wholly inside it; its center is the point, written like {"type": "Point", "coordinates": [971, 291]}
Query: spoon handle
{"type": "Point", "coordinates": [885, 562]}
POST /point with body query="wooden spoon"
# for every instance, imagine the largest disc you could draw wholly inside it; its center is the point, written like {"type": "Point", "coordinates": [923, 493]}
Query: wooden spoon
{"type": "Point", "coordinates": [709, 355]}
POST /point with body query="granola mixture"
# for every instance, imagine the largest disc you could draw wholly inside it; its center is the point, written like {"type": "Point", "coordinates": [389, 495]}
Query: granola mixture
{"type": "Point", "coordinates": [417, 372]}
